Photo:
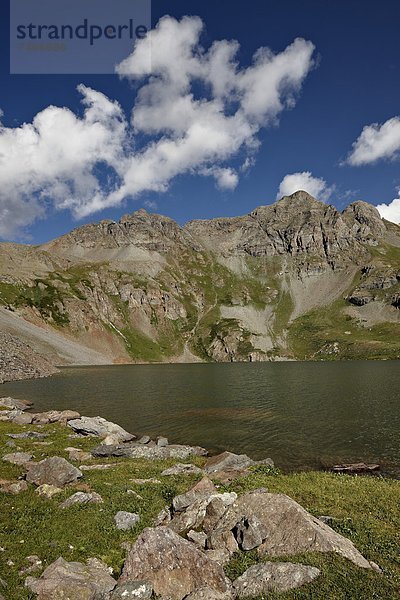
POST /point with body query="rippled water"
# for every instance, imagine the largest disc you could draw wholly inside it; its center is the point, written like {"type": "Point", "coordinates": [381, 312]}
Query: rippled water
{"type": "Point", "coordinates": [303, 415]}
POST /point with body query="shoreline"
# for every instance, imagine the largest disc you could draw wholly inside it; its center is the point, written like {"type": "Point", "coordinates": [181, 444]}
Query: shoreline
{"type": "Point", "coordinates": [54, 369]}
{"type": "Point", "coordinates": [53, 415]}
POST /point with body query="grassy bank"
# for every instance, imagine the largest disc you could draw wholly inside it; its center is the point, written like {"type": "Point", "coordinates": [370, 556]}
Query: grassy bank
{"type": "Point", "coordinates": [365, 509]}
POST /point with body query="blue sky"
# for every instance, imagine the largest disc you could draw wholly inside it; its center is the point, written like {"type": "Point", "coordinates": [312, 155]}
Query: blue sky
{"type": "Point", "coordinates": [355, 82]}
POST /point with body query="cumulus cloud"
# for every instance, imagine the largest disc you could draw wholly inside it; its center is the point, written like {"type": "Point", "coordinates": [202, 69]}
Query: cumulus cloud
{"type": "Point", "coordinates": [391, 212]}
{"type": "Point", "coordinates": [316, 186]}
{"type": "Point", "coordinates": [225, 178]}
{"type": "Point", "coordinates": [53, 160]}
{"type": "Point", "coordinates": [376, 141]}
{"type": "Point", "coordinates": [195, 109]}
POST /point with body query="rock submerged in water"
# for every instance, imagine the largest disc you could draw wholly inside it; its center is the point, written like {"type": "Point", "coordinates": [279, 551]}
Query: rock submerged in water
{"type": "Point", "coordinates": [355, 468]}
{"type": "Point", "coordinates": [54, 471]}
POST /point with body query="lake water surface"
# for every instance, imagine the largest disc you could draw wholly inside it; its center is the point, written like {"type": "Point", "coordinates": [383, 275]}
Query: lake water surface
{"type": "Point", "coordinates": [303, 415]}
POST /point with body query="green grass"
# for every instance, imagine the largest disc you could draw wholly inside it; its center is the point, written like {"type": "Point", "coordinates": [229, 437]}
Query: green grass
{"type": "Point", "coordinates": [311, 336]}
{"type": "Point", "coordinates": [365, 509]}
{"type": "Point", "coordinates": [9, 293]}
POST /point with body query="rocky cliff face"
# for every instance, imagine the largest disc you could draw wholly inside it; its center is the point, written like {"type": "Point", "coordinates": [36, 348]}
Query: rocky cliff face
{"type": "Point", "coordinates": [297, 226]}
{"type": "Point", "coordinates": [294, 279]}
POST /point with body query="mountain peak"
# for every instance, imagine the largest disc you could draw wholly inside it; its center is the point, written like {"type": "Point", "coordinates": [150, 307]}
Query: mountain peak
{"type": "Point", "coordinates": [300, 196]}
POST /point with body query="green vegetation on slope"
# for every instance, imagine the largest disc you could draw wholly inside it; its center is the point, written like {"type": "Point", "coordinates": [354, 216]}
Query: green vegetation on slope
{"type": "Point", "coordinates": [42, 295]}
{"type": "Point", "coordinates": [328, 333]}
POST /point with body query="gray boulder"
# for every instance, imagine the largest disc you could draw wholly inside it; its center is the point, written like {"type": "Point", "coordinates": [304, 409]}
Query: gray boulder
{"type": "Point", "coordinates": [100, 427]}
{"type": "Point", "coordinates": [73, 581]}
{"type": "Point", "coordinates": [223, 544]}
{"type": "Point", "coordinates": [15, 404]}
{"type": "Point", "coordinates": [149, 452]}
{"type": "Point", "coordinates": [174, 567]}
{"type": "Point", "coordinates": [77, 454]}
{"type": "Point", "coordinates": [273, 577]}
{"type": "Point", "coordinates": [133, 590]}
{"type": "Point", "coordinates": [82, 498]}
{"type": "Point", "coordinates": [286, 527]}
{"type": "Point", "coordinates": [20, 418]}
{"type": "Point", "coordinates": [18, 458]}
{"type": "Point", "coordinates": [202, 490]}
{"type": "Point", "coordinates": [197, 537]}
{"type": "Point", "coordinates": [250, 533]}
{"type": "Point", "coordinates": [55, 416]}
{"type": "Point", "coordinates": [162, 442]}
{"type": "Point", "coordinates": [145, 439]}
{"type": "Point", "coordinates": [28, 435]}
{"type": "Point", "coordinates": [203, 512]}
{"type": "Point", "coordinates": [13, 487]}
{"type": "Point", "coordinates": [54, 471]}
{"type": "Point", "coordinates": [182, 469]}
{"type": "Point", "coordinates": [228, 461]}
{"type": "Point", "coordinates": [126, 520]}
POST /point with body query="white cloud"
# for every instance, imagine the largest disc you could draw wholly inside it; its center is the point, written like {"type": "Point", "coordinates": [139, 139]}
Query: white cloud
{"type": "Point", "coordinates": [391, 212]}
{"type": "Point", "coordinates": [225, 178]}
{"type": "Point", "coordinates": [58, 158]}
{"type": "Point", "coordinates": [52, 160]}
{"type": "Point", "coordinates": [150, 204]}
{"type": "Point", "coordinates": [376, 142]}
{"type": "Point", "coordinates": [248, 164]}
{"type": "Point", "coordinates": [316, 186]}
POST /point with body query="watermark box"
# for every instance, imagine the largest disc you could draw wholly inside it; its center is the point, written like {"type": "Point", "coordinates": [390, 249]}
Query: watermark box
{"type": "Point", "coordinates": [74, 36]}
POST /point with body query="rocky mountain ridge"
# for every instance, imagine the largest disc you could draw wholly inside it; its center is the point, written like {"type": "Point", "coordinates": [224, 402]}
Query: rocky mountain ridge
{"type": "Point", "coordinates": [294, 279]}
